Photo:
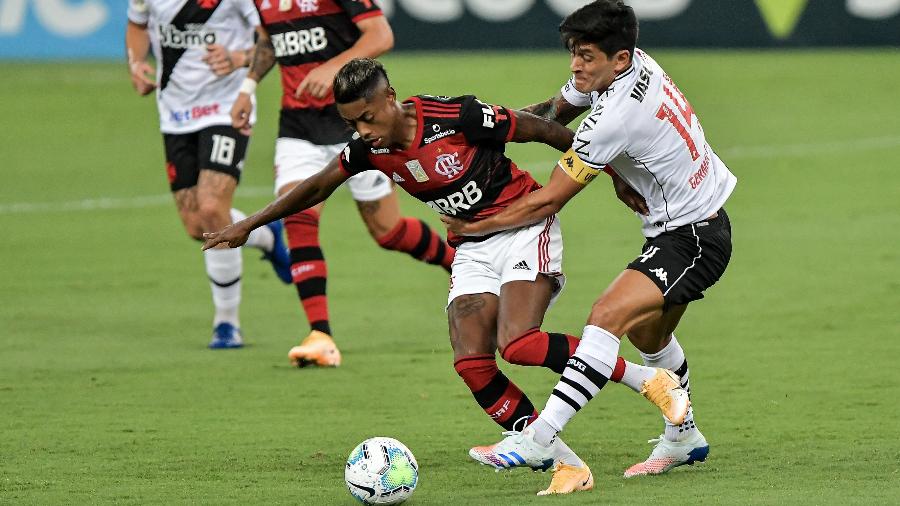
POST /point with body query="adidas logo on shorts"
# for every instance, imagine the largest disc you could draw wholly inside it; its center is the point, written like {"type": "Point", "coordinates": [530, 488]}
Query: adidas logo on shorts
{"type": "Point", "coordinates": [522, 265]}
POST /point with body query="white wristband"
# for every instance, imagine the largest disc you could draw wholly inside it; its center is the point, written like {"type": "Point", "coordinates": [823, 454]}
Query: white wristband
{"type": "Point", "coordinates": [248, 86]}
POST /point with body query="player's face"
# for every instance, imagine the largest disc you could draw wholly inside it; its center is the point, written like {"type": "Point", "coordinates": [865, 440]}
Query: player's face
{"type": "Point", "coordinates": [593, 69]}
{"type": "Point", "coordinates": [375, 120]}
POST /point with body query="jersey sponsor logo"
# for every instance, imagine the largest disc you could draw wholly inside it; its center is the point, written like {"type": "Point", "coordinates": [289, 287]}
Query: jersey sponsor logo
{"type": "Point", "coordinates": [194, 113]}
{"type": "Point", "coordinates": [417, 171]}
{"type": "Point", "coordinates": [640, 88]}
{"type": "Point", "coordinates": [661, 274]}
{"type": "Point", "coordinates": [380, 151]}
{"type": "Point", "coordinates": [299, 42]}
{"type": "Point", "coordinates": [488, 115]}
{"type": "Point", "coordinates": [439, 135]}
{"type": "Point", "coordinates": [463, 199]}
{"type": "Point", "coordinates": [448, 165]}
{"type": "Point", "coordinates": [192, 36]}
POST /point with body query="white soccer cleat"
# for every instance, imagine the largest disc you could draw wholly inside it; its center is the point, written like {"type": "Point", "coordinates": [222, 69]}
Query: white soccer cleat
{"type": "Point", "coordinates": [667, 455]}
{"type": "Point", "coordinates": [518, 449]}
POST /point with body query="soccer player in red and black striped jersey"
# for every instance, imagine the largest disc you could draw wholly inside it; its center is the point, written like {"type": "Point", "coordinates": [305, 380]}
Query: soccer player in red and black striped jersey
{"type": "Point", "coordinates": [450, 154]}
{"type": "Point", "coordinates": [311, 40]}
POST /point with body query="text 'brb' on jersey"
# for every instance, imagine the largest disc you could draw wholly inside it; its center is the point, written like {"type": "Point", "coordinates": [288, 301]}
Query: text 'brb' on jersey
{"type": "Point", "coordinates": [305, 35]}
{"type": "Point", "coordinates": [644, 128]}
{"type": "Point", "coordinates": [456, 163]}
{"type": "Point", "coordinates": [190, 97]}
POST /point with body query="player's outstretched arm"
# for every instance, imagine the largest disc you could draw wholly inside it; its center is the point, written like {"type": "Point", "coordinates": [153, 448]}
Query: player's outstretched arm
{"type": "Point", "coordinates": [556, 109]}
{"type": "Point", "coordinates": [303, 196]}
{"type": "Point", "coordinates": [531, 208]}
{"type": "Point", "coordinates": [137, 47]}
{"type": "Point", "coordinates": [531, 128]}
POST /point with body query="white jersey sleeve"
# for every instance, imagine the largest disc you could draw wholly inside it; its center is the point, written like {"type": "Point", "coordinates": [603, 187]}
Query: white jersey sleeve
{"type": "Point", "coordinates": [138, 12]}
{"type": "Point", "coordinates": [249, 12]}
{"type": "Point", "coordinates": [573, 96]}
{"type": "Point", "coordinates": [600, 138]}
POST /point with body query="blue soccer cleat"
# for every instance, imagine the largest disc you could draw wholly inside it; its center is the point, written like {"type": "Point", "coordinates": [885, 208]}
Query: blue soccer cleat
{"type": "Point", "coordinates": [280, 256]}
{"type": "Point", "coordinates": [225, 336]}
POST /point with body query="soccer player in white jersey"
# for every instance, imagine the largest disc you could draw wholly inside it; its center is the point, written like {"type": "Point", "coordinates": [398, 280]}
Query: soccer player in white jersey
{"type": "Point", "coordinates": [201, 48]}
{"type": "Point", "coordinates": [642, 129]}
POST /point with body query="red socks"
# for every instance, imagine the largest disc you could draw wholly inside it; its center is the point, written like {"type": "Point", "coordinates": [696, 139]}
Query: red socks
{"type": "Point", "coordinates": [308, 267]}
{"type": "Point", "coordinates": [416, 238]}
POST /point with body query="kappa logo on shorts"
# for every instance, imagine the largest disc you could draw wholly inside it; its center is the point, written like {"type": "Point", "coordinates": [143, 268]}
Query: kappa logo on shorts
{"type": "Point", "coordinates": [522, 265]}
{"type": "Point", "coordinates": [661, 274]}
{"type": "Point", "coordinates": [647, 255]}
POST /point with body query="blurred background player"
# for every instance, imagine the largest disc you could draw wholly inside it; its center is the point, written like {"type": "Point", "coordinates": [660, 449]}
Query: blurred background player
{"type": "Point", "coordinates": [201, 48]}
{"type": "Point", "coordinates": [311, 41]}
{"type": "Point", "coordinates": [450, 154]}
{"type": "Point", "coordinates": [642, 128]}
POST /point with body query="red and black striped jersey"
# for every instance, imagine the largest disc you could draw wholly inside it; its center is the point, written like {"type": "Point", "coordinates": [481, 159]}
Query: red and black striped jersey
{"type": "Point", "coordinates": [457, 162]}
{"type": "Point", "coordinates": [305, 35]}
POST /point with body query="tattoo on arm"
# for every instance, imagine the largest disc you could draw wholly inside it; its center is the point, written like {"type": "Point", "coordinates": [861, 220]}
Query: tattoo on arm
{"type": "Point", "coordinates": [263, 58]}
{"type": "Point", "coordinates": [556, 109]}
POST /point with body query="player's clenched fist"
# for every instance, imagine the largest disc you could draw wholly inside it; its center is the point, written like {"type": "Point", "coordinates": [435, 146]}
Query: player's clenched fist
{"type": "Point", "coordinates": [232, 236]}
{"type": "Point", "coordinates": [142, 77]}
{"type": "Point", "coordinates": [240, 111]}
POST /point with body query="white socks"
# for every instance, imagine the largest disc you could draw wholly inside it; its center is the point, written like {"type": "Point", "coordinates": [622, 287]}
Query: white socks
{"type": "Point", "coordinates": [672, 357]}
{"type": "Point", "coordinates": [223, 266]}
{"type": "Point", "coordinates": [585, 374]}
{"type": "Point", "coordinates": [261, 238]}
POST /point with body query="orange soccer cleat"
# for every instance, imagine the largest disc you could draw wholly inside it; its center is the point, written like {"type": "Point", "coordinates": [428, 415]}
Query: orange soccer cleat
{"type": "Point", "coordinates": [317, 349]}
{"type": "Point", "coordinates": [568, 479]}
{"type": "Point", "coordinates": [664, 390]}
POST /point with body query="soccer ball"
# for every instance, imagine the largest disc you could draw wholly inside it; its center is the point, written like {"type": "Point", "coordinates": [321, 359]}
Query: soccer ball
{"type": "Point", "coordinates": [381, 470]}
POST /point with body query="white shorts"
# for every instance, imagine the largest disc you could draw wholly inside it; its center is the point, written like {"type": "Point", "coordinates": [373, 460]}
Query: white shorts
{"type": "Point", "coordinates": [515, 255]}
{"type": "Point", "coordinates": [297, 159]}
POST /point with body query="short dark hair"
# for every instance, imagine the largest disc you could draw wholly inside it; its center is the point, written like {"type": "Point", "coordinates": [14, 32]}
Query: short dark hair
{"type": "Point", "coordinates": [359, 78]}
{"type": "Point", "coordinates": [610, 24]}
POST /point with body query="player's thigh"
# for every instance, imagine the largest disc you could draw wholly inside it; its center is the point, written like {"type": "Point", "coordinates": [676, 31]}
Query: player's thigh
{"type": "Point", "coordinates": [630, 300]}
{"type": "Point", "coordinates": [653, 335]}
{"type": "Point", "coordinates": [473, 322]}
{"type": "Point", "coordinates": [531, 277]}
{"type": "Point", "coordinates": [380, 215]}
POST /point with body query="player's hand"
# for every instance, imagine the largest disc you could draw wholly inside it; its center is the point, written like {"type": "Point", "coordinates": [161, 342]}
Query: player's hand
{"type": "Point", "coordinates": [142, 77]}
{"type": "Point", "coordinates": [461, 227]}
{"type": "Point", "coordinates": [240, 113]}
{"type": "Point", "coordinates": [232, 236]}
{"type": "Point", "coordinates": [630, 197]}
{"type": "Point", "coordinates": [221, 61]}
{"type": "Point", "coordinates": [318, 82]}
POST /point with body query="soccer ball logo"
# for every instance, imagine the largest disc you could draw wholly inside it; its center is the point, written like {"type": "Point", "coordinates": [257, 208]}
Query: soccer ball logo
{"type": "Point", "coordinates": [381, 470]}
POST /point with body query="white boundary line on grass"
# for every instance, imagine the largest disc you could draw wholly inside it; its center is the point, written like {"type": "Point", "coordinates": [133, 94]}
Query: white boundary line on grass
{"type": "Point", "coordinates": [735, 152]}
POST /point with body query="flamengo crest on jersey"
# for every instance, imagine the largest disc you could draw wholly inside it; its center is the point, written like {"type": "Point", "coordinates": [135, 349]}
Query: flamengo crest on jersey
{"type": "Point", "coordinates": [457, 163]}
{"type": "Point", "coordinates": [645, 129]}
{"type": "Point", "coordinates": [190, 97]}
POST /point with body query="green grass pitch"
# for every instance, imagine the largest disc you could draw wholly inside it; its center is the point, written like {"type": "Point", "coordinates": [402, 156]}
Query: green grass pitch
{"type": "Point", "coordinates": [108, 394]}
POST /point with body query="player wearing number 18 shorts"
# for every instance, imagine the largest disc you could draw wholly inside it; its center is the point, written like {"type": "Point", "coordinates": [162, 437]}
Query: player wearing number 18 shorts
{"type": "Point", "coordinates": [201, 48]}
{"type": "Point", "coordinates": [641, 128]}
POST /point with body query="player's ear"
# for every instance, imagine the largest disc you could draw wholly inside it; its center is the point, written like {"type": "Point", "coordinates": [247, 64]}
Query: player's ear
{"type": "Point", "coordinates": [623, 60]}
{"type": "Point", "coordinates": [391, 93]}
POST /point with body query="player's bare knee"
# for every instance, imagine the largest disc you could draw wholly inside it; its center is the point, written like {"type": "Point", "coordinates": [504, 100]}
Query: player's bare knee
{"type": "Point", "coordinates": [609, 317]}
{"type": "Point", "coordinates": [509, 332]}
{"type": "Point", "coordinates": [213, 215]}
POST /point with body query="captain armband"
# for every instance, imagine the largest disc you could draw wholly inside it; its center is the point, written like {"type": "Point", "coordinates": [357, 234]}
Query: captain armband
{"type": "Point", "coordinates": [576, 169]}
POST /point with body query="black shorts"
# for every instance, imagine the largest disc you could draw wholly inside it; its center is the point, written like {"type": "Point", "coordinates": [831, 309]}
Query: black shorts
{"type": "Point", "coordinates": [220, 148]}
{"type": "Point", "coordinates": [686, 261]}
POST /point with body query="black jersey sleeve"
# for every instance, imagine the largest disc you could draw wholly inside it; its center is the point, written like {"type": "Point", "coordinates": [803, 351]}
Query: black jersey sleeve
{"type": "Point", "coordinates": [354, 158]}
{"type": "Point", "coordinates": [359, 10]}
{"type": "Point", "coordinates": [483, 122]}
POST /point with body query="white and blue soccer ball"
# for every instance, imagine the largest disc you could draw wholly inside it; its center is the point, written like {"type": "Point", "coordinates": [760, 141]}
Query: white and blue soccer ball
{"type": "Point", "coordinates": [381, 470]}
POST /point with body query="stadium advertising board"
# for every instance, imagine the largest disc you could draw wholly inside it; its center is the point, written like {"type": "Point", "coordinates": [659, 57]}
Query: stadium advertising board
{"type": "Point", "coordinates": [95, 28]}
